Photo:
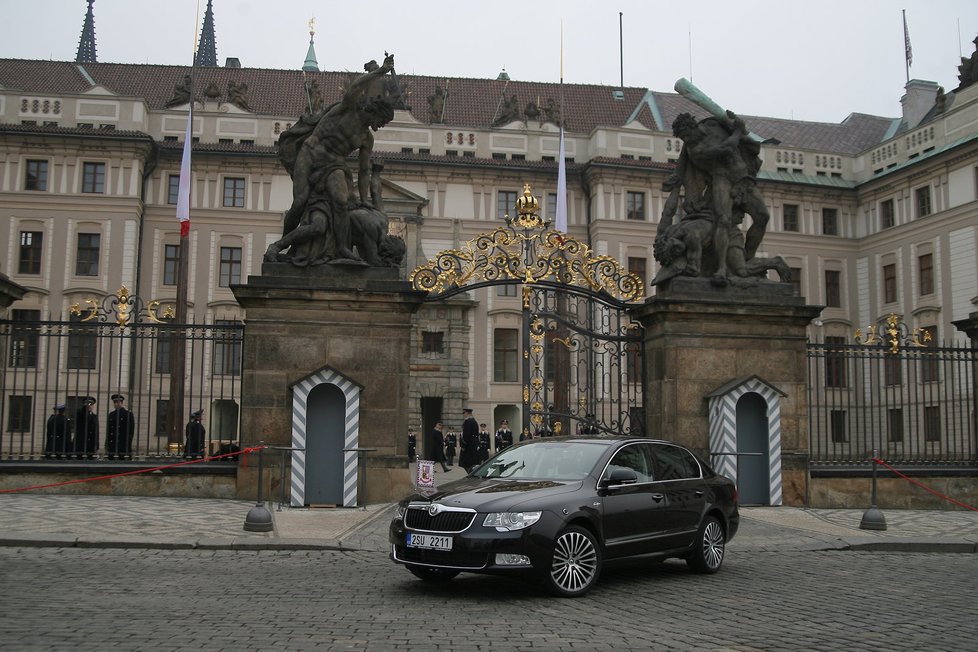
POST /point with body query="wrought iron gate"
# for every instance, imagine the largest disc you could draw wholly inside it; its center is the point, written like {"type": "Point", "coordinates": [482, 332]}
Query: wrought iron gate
{"type": "Point", "coordinates": [582, 355]}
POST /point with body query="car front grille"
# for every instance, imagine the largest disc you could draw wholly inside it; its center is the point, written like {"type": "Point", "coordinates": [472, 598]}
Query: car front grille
{"type": "Point", "coordinates": [441, 557]}
{"type": "Point", "coordinates": [445, 521]}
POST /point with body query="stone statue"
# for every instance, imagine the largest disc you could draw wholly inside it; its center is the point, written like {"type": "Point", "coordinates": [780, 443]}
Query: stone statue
{"type": "Point", "coordinates": [436, 105]}
{"type": "Point", "coordinates": [509, 110]}
{"type": "Point", "coordinates": [238, 95]}
{"type": "Point", "coordinates": [718, 169]}
{"type": "Point", "coordinates": [551, 112]}
{"type": "Point", "coordinates": [314, 152]}
{"type": "Point", "coordinates": [532, 111]}
{"type": "Point", "coordinates": [181, 92]}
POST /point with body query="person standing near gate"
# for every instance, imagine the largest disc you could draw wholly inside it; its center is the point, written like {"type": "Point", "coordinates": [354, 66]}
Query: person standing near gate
{"type": "Point", "coordinates": [436, 446]}
{"type": "Point", "coordinates": [504, 436]}
{"type": "Point", "coordinates": [119, 430]}
{"type": "Point", "coordinates": [58, 438]}
{"type": "Point", "coordinates": [412, 445]}
{"type": "Point", "coordinates": [86, 429]}
{"type": "Point", "coordinates": [483, 443]}
{"type": "Point", "coordinates": [195, 432]}
{"type": "Point", "coordinates": [451, 445]}
{"type": "Point", "coordinates": [469, 457]}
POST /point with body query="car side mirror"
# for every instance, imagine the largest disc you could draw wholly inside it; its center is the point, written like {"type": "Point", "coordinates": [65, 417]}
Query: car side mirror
{"type": "Point", "coordinates": [621, 476]}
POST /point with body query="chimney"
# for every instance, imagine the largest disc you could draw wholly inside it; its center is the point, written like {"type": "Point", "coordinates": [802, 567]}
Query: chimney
{"type": "Point", "coordinates": [232, 62]}
{"type": "Point", "coordinates": [918, 101]}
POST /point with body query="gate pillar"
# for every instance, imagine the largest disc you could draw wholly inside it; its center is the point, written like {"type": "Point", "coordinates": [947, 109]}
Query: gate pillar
{"type": "Point", "coordinates": [698, 337]}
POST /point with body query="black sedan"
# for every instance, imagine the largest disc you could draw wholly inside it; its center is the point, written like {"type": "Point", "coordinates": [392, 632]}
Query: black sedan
{"type": "Point", "coordinates": [560, 508]}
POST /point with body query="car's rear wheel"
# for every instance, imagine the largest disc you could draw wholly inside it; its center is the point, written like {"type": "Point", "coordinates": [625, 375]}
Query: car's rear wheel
{"type": "Point", "coordinates": [429, 574]}
{"type": "Point", "coordinates": [576, 563]}
{"type": "Point", "coordinates": [708, 550]}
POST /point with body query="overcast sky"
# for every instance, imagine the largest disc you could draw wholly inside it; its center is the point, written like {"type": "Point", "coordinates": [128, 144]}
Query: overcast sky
{"type": "Point", "coordinates": [781, 58]}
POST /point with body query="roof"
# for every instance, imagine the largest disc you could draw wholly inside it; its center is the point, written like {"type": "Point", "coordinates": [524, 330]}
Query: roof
{"type": "Point", "coordinates": [470, 103]}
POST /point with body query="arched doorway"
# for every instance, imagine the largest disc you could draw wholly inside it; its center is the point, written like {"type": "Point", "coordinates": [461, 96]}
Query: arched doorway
{"type": "Point", "coordinates": [325, 421]}
{"type": "Point", "coordinates": [753, 457]}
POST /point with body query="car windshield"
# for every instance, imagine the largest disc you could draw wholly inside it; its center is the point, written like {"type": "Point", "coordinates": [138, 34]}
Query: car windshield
{"type": "Point", "coordinates": [549, 460]}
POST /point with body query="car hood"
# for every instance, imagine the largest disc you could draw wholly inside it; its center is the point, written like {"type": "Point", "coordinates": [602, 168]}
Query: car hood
{"type": "Point", "coordinates": [495, 495]}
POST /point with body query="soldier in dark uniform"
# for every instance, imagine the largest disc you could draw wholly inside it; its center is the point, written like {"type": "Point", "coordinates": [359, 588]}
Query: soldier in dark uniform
{"type": "Point", "coordinates": [451, 446]}
{"type": "Point", "coordinates": [468, 459]}
{"type": "Point", "coordinates": [119, 430]}
{"type": "Point", "coordinates": [195, 432]}
{"type": "Point", "coordinates": [58, 434]}
{"type": "Point", "coordinates": [436, 446]}
{"type": "Point", "coordinates": [504, 436]}
{"type": "Point", "coordinates": [86, 430]}
{"type": "Point", "coordinates": [589, 427]}
{"type": "Point", "coordinates": [483, 443]}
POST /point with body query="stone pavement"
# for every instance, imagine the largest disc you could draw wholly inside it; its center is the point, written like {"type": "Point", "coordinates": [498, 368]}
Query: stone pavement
{"type": "Point", "coordinates": [150, 522]}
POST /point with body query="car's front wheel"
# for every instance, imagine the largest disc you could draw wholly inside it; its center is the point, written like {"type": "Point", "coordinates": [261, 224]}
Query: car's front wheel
{"type": "Point", "coordinates": [707, 554]}
{"type": "Point", "coordinates": [430, 574]}
{"type": "Point", "coordinates": [576, 563]}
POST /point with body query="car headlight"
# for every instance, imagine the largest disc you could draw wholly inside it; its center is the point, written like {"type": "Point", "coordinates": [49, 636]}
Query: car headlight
{"type": "Point", "coordinates": [399, 512]}
{"type": "Point", "coordinates": [509, 521]}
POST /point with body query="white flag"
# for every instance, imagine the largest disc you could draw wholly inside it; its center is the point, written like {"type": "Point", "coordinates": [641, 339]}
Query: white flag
{"type": "Point", "coordinates": [560, 222]}
{"type": "Point", "coordinates": [183, 190]}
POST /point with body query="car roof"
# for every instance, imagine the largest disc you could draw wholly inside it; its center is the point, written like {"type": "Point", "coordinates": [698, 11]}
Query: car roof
{"type": "Point", "coordinates": [599, 439]}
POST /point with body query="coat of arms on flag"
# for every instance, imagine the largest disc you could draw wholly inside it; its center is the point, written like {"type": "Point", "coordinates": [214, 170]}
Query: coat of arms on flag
{"type": "Point", "coordinates": [426, 473]}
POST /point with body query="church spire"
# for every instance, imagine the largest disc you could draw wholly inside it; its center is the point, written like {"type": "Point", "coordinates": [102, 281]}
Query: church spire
{"type": "Point", "coordinates": [86, 44]}
{"type": "Point", "coordinates": [310, 64]}
{"type": "Point", "coordinates": [207, 48]}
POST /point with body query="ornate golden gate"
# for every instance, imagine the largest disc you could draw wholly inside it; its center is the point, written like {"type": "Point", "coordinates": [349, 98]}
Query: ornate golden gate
{"type": "Point", "coordinates": [582, 355]}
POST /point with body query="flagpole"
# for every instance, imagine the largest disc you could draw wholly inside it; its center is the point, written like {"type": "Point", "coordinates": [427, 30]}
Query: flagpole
{"type": "Point", "coordinates": [907, 52]}
{"type": "Point", "coordinates": [178, 343]}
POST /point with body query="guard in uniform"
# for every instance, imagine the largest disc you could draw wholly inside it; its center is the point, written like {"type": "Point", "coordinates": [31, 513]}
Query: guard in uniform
{"type": "Point", "coordinates": [86, 430]}
{"type": "Point", "coordinates": [412, 445]}
{"type": "Point", "coordinates": [58, 434]}
{"type": "Point", "coordinates": [119, 430]}
{"type": "Point", "coordinates": [195, 432]}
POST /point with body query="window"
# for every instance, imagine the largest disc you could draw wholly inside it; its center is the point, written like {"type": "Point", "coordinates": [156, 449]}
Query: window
{"type": "Point", "coordinates": [635, 205]}
{"type": "Point", "coordinates": [892, 370]}
{"type": "Point", "coordinates": [674, 463]}
{"type": "Point", "coordinates": [37, 175]}
{"type": "Point", "coordinates": [24, 338]}
{"type": "Point", "coordinates": [432, 342]}
{"type": "Point", "coordinates": [636, 458]}
{"type": "Point", "coordinates": [499, 156]}
{"type": "Point", "coordinates": [929, 365]}
{"type": "Point", "coordinates": [164, 346]}
{"type": "Point", "coordinates": [82, 344]}
{"type": "Point", "coordinates": [925, 274]}
{"type": "Point", "coordinates": [837, 426]}
{"type": "Point", "coordinates": [790, 217]}
{"type": "Point", "coordinates": [505, 355]}
{"type": "Point", "coordinates": [894, 424]}
{"type": "Point", "coordinates": [830, 221]}
{"type": "Point", "coordinates": [637, 266]}
{"type": "Point", "coordinates": [30, 252]}
{"type": "Point", "coordinates": [886, 214]}
{"type": "Point", "coordinates": [162, 407]}
{"type": "Point", "coordinates": [86, 258]}
{"type": "Point", "coordinates": [835, 362]}
{"type": "Point", "coordinates": [552, 207]}
{"type": "Point", "coordinates": [889, 283]}
{"type": "Point", "coordinates": [506, 290]}
{"type": "Point", "coordinates": [833, 288]}
{"type": "Point", "coordinates": [93, 177]}
{"type": "Point", "coordinates": [19, 415]}
{"type": "Point", "coordinates": [227, 348]}
{"type": "Point", "coordinates": [932, 423]}
{"type": "Point", "coordinates": [923, 201]}
{"type": "Point", "coordinates": [225, 141]}
{"type": "Point", "coordinates": [171, 264]}
{"type": "Point", "coordinates": [172, 188]}
{"type": "Point", "coordinates": [234, 192]}
{"type": "Point", "coordinates": [230, 266]}
{"type": "Point", "coordinates": [505, 202]}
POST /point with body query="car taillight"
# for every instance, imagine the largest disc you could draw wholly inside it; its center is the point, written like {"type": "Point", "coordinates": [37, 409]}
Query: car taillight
{"type": "Point", "coordinates": [736, 495]}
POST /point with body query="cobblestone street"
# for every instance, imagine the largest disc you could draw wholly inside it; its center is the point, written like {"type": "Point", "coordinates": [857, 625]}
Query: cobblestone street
{"type": "Point", "coordinates": [97, 599]}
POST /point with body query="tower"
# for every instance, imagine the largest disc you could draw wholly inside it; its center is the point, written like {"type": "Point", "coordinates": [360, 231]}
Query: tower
{"type": "Point", "coordinates": [207, 47]}
{"type": "Point", "coordinates": [86, 44]}
{"type": "Point", "coordinates": [310, 64]}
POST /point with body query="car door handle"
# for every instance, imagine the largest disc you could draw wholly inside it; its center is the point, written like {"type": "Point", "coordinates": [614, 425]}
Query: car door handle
{"type": "Point", "coordinates": [699, 494]}
{"type": "Point", "coordinates": [658, 497]}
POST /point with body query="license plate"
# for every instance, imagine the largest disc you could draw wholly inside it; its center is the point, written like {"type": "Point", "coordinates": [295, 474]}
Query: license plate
{"type": "Point", "coordinates": [433, 541]}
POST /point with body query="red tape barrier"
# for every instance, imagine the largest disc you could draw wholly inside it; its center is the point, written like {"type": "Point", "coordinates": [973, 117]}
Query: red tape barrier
{"type": "Point", "coordinates": [245, 451]}
{"type": "Point", "coordinates": [925, 487]}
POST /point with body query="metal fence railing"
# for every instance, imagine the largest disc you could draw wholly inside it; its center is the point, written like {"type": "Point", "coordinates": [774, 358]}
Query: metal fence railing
{"type": "Point", "coordinates": [913, 404]}
{"type": "Point", "coordinates": [49, 363]}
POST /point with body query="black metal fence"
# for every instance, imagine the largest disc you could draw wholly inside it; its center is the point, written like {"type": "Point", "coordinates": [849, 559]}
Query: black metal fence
{"type": "Point", "coordinates": [47, 363]}
{"type": "Point", "coordinates": [914, 404]}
